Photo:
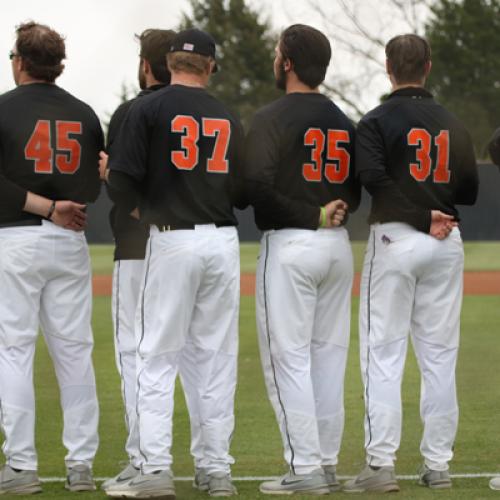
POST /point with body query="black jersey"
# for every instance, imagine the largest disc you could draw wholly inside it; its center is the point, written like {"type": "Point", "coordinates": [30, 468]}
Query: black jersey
{"type": "Point", "coordinates": [183, 147]}
{"type": "Point", "coordinates": [130, 234]}
{"type": "Point", "coordinates": [413, 156]}
{"type": "Point", "coordinates": [299, 156]}
{"type": "Point", "coordinates": [49, 145]}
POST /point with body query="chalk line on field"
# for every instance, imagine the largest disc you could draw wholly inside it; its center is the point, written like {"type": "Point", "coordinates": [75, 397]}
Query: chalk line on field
{"type": "Point", "coordinates": [408, 477]}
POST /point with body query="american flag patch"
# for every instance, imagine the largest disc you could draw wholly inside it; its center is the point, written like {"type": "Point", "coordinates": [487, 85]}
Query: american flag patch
{"type": "Point", "coordinates": [188, 46]}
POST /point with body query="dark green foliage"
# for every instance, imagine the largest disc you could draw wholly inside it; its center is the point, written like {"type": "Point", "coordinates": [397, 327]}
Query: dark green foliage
{"type": "Point", "coordinates": [465, 77]}
{"type": "Point", "coordinates": [245, 52]}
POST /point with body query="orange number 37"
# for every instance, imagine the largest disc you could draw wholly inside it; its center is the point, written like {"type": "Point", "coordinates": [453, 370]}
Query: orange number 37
{"type": "Point", "coordinates": [39, 147]}
{"type": "Point", "coordinates": [421, 170]}
{"type": "Point", "coordinates": [188, 157]}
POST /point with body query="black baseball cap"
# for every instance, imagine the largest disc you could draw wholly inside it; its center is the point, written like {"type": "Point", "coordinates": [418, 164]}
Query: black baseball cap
{"type": "Point", "coordinates": [196, 42]}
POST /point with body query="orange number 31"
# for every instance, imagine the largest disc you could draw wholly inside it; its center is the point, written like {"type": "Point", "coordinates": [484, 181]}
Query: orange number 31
{"type": "Point", "coordinates": [420, 171]}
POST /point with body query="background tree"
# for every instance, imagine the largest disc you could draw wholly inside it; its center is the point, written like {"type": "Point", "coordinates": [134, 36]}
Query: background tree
{"type": "Point", "coordinates": [465, 77]}
{"type": "Point", "coordinates": [359, 31]}
{"type": "Point", "coordinates": [245, 46]}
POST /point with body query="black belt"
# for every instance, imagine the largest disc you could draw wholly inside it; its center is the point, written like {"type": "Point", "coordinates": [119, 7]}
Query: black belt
{"type": "Point", "coordinates": [176, 227]}
{"type": "Point", "coordinates": [24, 222]}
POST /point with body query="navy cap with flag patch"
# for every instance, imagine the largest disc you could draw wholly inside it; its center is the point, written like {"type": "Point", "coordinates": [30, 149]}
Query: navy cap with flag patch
{"type": "Point", "coordinates": [194, 41]}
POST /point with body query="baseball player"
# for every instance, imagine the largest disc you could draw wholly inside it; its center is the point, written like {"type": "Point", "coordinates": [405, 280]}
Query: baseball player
{"type": "Point", "coordinates": [417, 161]}
{"type": "Point", "coordinates": [49, 147]}
{"type": "Point", "coordinates": [179, 152]}
{"type": "Point", "coordinates": [130, 247]}
{"type": "Point", "coordinates": [494, 150]}
{"type": "Point", "coordinates": [299, 175]}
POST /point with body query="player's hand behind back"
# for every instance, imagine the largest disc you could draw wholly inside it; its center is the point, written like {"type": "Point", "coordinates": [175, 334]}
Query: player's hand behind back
{"type": "Point", "coordinates": [441, 224]}
{"type": "Point", "coordinates": [335, 213]}
{"type": "Point", "coordinates": [69, 215]}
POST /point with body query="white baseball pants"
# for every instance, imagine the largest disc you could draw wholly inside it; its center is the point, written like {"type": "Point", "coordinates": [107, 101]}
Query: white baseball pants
{"type": "Point", "coordinates": [127, 281]}
{"type": "Point", "coordinates": [45, 278]}
{"type": "Point", "coordinates": [303, 301]}
{"type": "Point", "coordinates": [411, 283]}
{"type": "Point", "coordinates": [190, 297]}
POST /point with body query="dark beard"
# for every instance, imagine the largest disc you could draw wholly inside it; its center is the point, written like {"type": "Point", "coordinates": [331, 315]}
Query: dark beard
{"type": "Point", "coordinates": [281, 78]}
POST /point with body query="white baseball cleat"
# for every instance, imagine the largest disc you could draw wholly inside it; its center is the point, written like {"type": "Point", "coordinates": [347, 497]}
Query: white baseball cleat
{"type": "Point", "coordinates": [123, 477]}
{"type": "Point", "coordinates": [313, 483]}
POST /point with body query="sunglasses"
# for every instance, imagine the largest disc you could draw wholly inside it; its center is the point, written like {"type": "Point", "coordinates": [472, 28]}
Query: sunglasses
{"type": "Point", "coordinates": [12, 54]}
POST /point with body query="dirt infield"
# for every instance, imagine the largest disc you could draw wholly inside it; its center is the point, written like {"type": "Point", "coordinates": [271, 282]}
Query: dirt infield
{"type": "Point", "coordinates": [475, 283]}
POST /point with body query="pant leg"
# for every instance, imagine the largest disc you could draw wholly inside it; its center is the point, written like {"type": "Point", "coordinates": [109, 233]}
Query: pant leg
{"type": "Point", "coordinates": [189, 379]}
{"type": "Point", "coordinates": [170, 283]}
{"type": "Point", "coordinates": [287, 279]}
{"type": "Point", "coordinates": [386, 302]}
{"type": "Point", "coordinates": [126, 288]}
{"type": "Point", "coordinates": [21, 282]}
{"type": "Point", "coordinates": [330, 342]}
{"type": "Point", "coordinates": [435, 336]}
{"type": "Point", "coordinates": [65, 316]}
{"type": "Point", "coordinates": [213, 340]}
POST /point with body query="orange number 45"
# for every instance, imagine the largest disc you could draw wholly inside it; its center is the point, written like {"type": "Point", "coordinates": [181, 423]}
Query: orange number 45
{"type": "Point", "coordinates": [39, 147]}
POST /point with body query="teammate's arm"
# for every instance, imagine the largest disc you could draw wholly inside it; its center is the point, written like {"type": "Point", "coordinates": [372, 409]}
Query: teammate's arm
{"type": "Point", "coordinates": [64, 213]}
{"type": "Point", "coordinates": [494, 147]}
{"type": "Point", "coordinates": [371, 167]}
{"type": "Point", "coordinates": [261, 168]}
{"type": "Point", "coordinates": [467, 181]}
{"type": "Point", "coordinates": [128, 163]}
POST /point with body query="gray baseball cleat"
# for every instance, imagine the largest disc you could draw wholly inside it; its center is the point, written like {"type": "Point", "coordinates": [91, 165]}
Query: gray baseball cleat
{"type": "Point", "coordinates": [79, 478]}
{"type": "Point", "coordinates": [382, 479]}
{"type": "Point", "coordinates": [23, 482]}
{"type": "Point", "coordinates": [123, 477]}
{"type": "Point", "coordinates": [331, 477]}
{"type": "Point", "coordinates": [495, 483]}
{"type": "Point", "coordinates": [158, 484]}
{"type": "Point", "coordinates": [313, 483]}
{"type": "Point", "coordinates": [200, 481]}
{"type": "Point", "coordinates": [220, 484]}
{"type": "Point", "coordinates": [434, 479]}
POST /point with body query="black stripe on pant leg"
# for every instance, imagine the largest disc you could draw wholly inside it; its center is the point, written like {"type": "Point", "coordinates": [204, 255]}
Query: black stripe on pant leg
{"type": "Point", "coordinates": [367, 375]}
{"type": "Point", "coordinates": [146, 273]}
{"type": "Point", "coordinates": [271, 358]}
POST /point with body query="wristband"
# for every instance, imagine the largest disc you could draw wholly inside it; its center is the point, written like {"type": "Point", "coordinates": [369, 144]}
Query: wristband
{"type": "Point", "coordinates": [51, 210]}
{"type": "Point", "coordinates": [322, 217]}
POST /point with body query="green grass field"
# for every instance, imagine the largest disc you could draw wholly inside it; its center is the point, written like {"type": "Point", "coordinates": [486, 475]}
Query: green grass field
{"type": "Point", "coordinates": [482, 256]}
{"type": "Point", "coordinates": [256, 445]}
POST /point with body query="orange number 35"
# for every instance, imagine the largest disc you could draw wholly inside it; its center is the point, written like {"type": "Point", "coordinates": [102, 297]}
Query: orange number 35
{"type": "Point", "coordinates": [337, 172]}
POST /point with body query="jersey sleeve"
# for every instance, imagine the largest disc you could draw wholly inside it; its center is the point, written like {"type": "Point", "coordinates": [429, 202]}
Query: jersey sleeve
{"type": "Point", "coordinates": [93, 179]}
{"type": "Point", "coordinates": [12, 196]}
{"type": "Point", "coordinates": [467, 184]}
{"type": "Point", "coordinates": [131, 154]}
{"type": "Point", "coordinates": [494, 147]}
{"type": "Point", "coordinates": [262, 147]}
{"type": "Point", "coordinates": [371, 168]}
{"type": "Point", "coordinates": [236, 171]}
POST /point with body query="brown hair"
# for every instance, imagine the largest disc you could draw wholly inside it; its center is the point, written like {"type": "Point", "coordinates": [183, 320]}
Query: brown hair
{"type": "Point", "coordinates": [42, 49]}
{"type": "Point", "coordinates": [407, 57]}
{"type": "Point", "coordinates": [155, 45]}
{"type": "Point", "coordinates": [309, 51]}
{"type": "Point", "coordinates": [188, 63]}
